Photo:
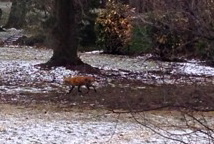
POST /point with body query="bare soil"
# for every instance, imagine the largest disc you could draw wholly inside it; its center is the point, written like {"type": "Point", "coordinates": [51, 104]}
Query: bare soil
{"type": "Point", "coordinates": [34, 109]}
{"type": "Point", "coordinates": [136, 84]}
{"type": "Point", "coordinates": [129, 95]}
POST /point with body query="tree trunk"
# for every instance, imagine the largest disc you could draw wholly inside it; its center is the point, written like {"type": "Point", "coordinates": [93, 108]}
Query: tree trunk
{"type": "Point", "coordinates": [64, 35]}
{"type": "Point", "coordinates": [65, 38]}
{"type": "Point", "coordinates": [17, 14]}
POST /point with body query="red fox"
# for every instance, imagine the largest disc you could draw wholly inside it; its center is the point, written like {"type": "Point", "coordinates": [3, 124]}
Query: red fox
{"type": "Point", "coordinates": [80, 81]}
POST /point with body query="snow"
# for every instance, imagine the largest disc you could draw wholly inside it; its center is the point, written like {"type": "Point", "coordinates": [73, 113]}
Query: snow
{"type": "Point", "coordinates": [17, 66]}
{"type": "Point", "coordinates": [144, 66]}
{"type": "Point", "coordinates": [196, 69]}
{"type": "Point", "coordinates": [25, 125]}
{"type": "Point", "coordinates": [28, 125]}
{"type": "Point", "coordinates": [94, 52]}
{"type": "Point", "coordinates": [64, 127]}
{"type": "Point", "coordinates": [28, 77]}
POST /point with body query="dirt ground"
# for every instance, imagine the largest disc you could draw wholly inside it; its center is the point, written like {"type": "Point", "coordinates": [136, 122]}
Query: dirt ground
{"type": "Point", "coordinates": [124, 83]}
{"type": "Point", "coordinates": [36, 109]}
{"type": "Point", "coordinates": [129, 95]}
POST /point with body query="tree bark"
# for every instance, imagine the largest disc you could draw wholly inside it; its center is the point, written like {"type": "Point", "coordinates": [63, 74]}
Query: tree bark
{"type": "Point", "coordinates": [64, 35]}
{"type": "Point", "coordinates": [65, 38]}
{"type": "Point", "coordinates": [17, 14]}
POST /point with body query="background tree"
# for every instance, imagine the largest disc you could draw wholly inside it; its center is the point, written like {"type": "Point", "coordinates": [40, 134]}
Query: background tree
{"type": "Point", "coordinates": [17, 14]}
{"type": "Point", "coordinates": [64, 35]}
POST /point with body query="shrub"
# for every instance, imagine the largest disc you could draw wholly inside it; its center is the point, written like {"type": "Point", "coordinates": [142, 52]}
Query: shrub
{"type": "Point", "coordinates": [205, 50]}
{"type": "Point", "coordinates": [180, 28]}
{"type": "Point", "coordinates": [114, 28]}
{"type": "Point", "coordinates": [168, 36]}
{"type": "Point", "coordinates": [141, 41]}
{"type": "Point", "coordinates": [167, 33]}
{"type": "Point", "coordinates": [87, 36]}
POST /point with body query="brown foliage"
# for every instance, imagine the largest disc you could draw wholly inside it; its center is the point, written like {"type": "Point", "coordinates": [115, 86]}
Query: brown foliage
{"type": "Point", "coordinates": [114, 27]}
{"type": "Point", "coordinates": [180, 27]}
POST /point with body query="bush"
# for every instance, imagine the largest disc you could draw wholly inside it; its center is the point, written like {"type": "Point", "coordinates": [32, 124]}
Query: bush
{"type": "Point", "coordinates": [168, 35]}
{"type": "Point", "coordinates": [87, 36]}
{"type": "Point", "coordinates": [180, 29]}
{"type": "Point", "coordinates": [114, 29]}
{"type": "Point", "coordinates": [205, 50]}
{"type": "Point", "coordinates": [141, 41]}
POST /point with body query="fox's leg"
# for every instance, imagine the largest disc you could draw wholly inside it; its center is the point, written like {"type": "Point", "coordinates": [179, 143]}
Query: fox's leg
{"type": "Point", "coordinates": [94, 88]}
{"type": "Point", "coordinates": [71, 89]}
{"type": "Point", "coordinates": [88, 87]}
{"type": "Point", "coordinates": [79, 89]}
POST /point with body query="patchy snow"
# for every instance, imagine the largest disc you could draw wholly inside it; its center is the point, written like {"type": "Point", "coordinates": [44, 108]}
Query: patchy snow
{"type": "Point", "coordinates": [25, 125]}
{"type": "Point", "coordinates": [22, 76]}
{"type": "Point", "coordinates": [94, 52]}
{"type": "Point", "coordinates": [28, 125]}
{"type": "Point", "coordinates": [66, 127]}
{"type": "Point", "coordinates": [143, 64]}
{"type": "Point", "coordinates": [195, 69]}
{"type": "Point", "coordinates": [18, 72]}
{"type": "Point", "coordinates": [4, 35]}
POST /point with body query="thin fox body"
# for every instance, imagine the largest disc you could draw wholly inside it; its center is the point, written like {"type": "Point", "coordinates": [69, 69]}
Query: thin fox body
{"type": "Point", "coordinates": [80, 81]}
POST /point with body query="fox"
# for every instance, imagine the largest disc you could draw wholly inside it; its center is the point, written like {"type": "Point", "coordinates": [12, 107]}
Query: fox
{"type": "Point", "coordinates": [80, 81]}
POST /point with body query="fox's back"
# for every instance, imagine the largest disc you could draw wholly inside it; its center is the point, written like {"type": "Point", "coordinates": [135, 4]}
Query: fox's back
{"type": "Point", "coordinates": [79, 80]}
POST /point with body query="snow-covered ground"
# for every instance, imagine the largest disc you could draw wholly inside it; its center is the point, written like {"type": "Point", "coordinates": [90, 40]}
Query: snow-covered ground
{"type": "Point", "coordinates": [143, 64]}
{"type": "Point", "coordinates": [20, 125]}
{"type": "Point", "coordinates": [18, 74]}
{"type": "Point", "coordinates": [67, 128]}
{"type": "Point", "coordinates": [29, 125]}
